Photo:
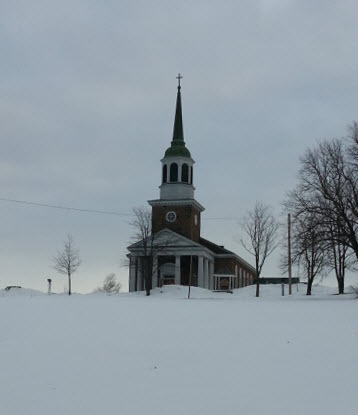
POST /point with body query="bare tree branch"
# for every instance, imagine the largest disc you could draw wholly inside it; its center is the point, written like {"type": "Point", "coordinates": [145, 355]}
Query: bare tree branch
{"type": "Point", "coordinates": [261, 227]}
{"type": "Point", "coordinates": [151, 244]}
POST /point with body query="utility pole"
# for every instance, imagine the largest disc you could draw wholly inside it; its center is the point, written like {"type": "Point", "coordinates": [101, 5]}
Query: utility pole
{"type": "Point", "coordinates": [289, 255]}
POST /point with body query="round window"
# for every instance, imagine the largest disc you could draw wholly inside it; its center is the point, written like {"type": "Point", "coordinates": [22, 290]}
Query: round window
{"type": "Point", "coordinates": [171, 216]}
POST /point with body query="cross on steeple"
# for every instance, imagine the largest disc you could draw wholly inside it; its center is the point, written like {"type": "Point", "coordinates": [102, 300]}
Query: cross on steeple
{"type": "Point", "coordinates": [179, 77]}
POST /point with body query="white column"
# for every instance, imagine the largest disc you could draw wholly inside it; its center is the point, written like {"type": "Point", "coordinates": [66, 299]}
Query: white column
{"type": "Point", "coordinates": [179, 172]}
{"type": "Point", "coordinates": [177, 270]}
{"type": "Point", "coordinates": [206, 273]}
{"type": "Point", "coordinates": [131, 281]}
{"type": "Point", "coordinates": [211, 275]}
{"type": "Point", "coordinates": [155, 273]}
{"type": "Point", "coordinates": [236, 277]}
{"type": "Point", "coordinates": [140, 274]}
{"type": "Point", "coordinates": [200, 271]}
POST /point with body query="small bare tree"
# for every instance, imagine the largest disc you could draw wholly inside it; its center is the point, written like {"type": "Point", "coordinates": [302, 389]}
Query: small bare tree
{"type": "Point", "coordinates": [151, 244]}
{"type": "Point", "coordinates": [110, 284]}
{"type": "Point", "coordinates": [261, 228]}
{"type": "Point", "coordinates": [68, 260]}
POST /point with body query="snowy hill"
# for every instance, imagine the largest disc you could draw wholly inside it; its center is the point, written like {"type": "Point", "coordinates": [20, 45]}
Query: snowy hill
{"type": "Point", "coordinates": [164, 354]}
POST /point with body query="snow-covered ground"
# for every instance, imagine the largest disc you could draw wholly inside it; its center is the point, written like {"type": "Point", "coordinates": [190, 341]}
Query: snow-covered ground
{"type": "Point", "coordinates": [163, 354]}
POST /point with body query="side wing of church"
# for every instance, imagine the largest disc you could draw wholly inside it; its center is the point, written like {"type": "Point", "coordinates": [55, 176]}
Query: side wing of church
{"type": "Point", "coordinates": [182, 255]}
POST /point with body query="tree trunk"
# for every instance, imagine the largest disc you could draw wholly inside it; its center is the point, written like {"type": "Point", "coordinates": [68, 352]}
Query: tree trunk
{"type": "Point", "coordinates": [147, 275]}
{"type": "Point", "coordinates": [69, 284]}
{"type": "Point", "coordinates": [309, 286]}
{"type": "Point", "coordinates": [257, 288]}
{"type": "Point", "coordinates": [340, 285]}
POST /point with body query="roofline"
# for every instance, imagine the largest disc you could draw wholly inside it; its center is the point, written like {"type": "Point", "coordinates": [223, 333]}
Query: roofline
{"type": "Point", "coordinates": [191, 244]}
{"type": "Point", "coordinates": [230, 254]}
{"type": "Point", "coordinates": [233, 255]}
{"type": "Point", "coordinates": [183, 158]}
{"type": "Point", "coordinates": [225, 275]}
{"type": "Point", "coordinates": [170, 202]}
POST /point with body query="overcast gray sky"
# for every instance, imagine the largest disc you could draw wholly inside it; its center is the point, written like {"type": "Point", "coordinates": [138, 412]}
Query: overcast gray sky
{"type": "Point", "coordinates": [87, 97]}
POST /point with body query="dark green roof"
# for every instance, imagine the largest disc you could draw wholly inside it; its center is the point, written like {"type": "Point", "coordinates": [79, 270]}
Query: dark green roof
{"type": "Point", "coordinates": [177, 147]}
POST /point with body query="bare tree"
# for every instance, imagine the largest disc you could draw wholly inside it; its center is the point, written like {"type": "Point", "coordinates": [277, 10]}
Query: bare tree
{"type": "Point", "coordinates": [68, 260]}
{"type": "Point", "coordinates": [308, 249]}
{"type": "Point", "coordinates": [150, 244]}
{"type": "Point", "coordinates": [110, 284]}
{"type": "Point", "coordinates": [339, 258]}
{"type": "Point", "coordinates": [328, 189]}
{"type": "Point", "coordinates": [261, 228]}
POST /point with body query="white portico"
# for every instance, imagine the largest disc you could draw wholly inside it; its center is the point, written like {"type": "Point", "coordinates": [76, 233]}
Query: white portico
{"type": "Point", "coordinates": [176, 260]}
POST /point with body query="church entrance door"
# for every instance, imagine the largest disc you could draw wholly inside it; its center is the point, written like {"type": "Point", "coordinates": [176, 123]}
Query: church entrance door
{"type": "Point", "coordinates": [168, 279]}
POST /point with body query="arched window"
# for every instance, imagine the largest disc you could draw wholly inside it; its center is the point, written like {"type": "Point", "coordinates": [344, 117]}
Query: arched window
{"type": "Point", "coordinates": [191, 175]}
{"type": "Point", "coordinates": [185, 173]}
{"type": "Point", "coordinates": [173, 172]}
{"type": "Point", "coordinates": [165, 170]}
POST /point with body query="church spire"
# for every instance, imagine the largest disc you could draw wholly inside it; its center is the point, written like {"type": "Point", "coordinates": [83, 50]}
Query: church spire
{"type": "Point", "coordinates": [178, 133]}
{"type": "Point", "coordinates": [177, 147]}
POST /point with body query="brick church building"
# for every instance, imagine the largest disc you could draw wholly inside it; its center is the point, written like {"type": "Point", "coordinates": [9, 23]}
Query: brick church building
{"type": "Point", "coordinates": [176, 223]}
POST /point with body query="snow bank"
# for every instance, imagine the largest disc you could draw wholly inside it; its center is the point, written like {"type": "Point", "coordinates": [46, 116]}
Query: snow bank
{"type": "Point", "coordinates": [23, 292]}
{"type": "Point", "coordinates": [216, 353]}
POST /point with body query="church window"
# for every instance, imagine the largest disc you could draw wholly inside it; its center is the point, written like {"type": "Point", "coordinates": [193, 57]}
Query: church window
{"type": "Point", "coordinates": [191, 175]}
{"type": "Point", "coordinates": [173, 172]}
{"type": "Point", "coordinates": [165, 169]}
{"type": "Point", "coordinates": [185, 173]}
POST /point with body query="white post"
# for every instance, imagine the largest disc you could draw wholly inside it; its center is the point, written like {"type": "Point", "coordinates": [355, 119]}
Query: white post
{"type": "Point", "coordinates": [211, 275]}
{"type": "Point", "coordinates": [206, 273]}
{"type": "Point", "coordinates": [49, 286]}
{"type": "Point", "coordinates": [200, 271]}
{"type": "Point", "coordinates": [179, 172]}
{"type": "Point", "coordinates": [140, 274]}
{"type": "Point", "coordinates": [177, 270]}
{"type": "Point", "coordinates": [131, 275]}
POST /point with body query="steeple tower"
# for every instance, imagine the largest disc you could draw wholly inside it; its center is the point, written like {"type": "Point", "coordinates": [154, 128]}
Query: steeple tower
{"type": "Point", "coordinates": [177, 164]}
{"type": "Point", "coordinates": [177, 209]}
{"type": "Point", "coordinates": [177, 147]}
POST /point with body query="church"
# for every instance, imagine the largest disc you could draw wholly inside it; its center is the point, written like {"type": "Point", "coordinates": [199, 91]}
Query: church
{"type": "Point", "coordinates": [182, 256]}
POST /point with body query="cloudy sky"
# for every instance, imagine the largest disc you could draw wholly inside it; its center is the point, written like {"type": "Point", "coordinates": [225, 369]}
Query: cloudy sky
{"type": "Point", "coordinates": [87, 97]}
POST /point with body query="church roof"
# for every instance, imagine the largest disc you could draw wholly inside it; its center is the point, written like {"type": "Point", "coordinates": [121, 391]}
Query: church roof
{"type": "Point", "coordinates": [217, 249]}
{"type": "Point", "coordinates": [177, 147]}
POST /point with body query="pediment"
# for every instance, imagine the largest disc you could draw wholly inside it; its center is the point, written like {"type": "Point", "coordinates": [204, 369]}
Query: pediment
{"type": "Point", "coordinates": [166, 238]}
